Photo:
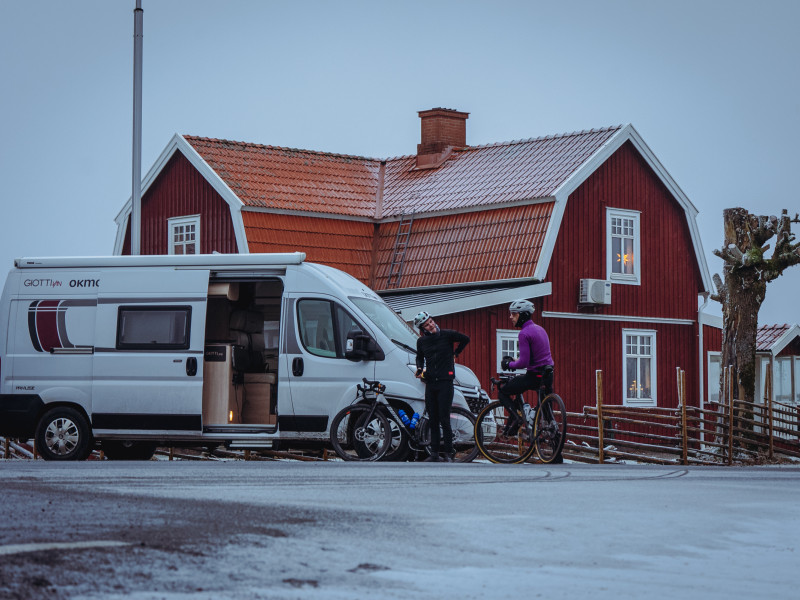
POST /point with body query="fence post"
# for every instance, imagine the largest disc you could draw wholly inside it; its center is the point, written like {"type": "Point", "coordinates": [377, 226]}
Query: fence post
{"type": "Point", "coordinates": [682, 396]}
{"type": "Point", "coordinates": [730, 416]}
{"type": "Point", "coordinates": [768, 394]}
{"type": "Point", "coordinates": [599, 395]}
{"type": "Point", "coordinates": [5, 448]}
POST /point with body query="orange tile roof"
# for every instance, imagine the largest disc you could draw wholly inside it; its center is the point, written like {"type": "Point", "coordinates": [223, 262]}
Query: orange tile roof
{"type": "Point", "coordinates": [467, 247]}
{"type": "Point", "coordinates": [285, 178]}
{"type": "Point", "coordinates": [303, 180]}
{"type": "Point", "coordinates": [343, 244]}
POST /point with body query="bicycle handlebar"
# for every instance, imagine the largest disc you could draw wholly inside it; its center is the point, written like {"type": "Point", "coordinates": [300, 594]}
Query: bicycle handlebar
{"type": "Point", "coordinates": [371, 386]}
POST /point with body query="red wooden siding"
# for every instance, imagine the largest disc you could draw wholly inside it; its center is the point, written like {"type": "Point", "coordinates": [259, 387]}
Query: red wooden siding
{"type": "Point", "coordinates": [712, 338]}
{"type": "Point", "coordinates": [179, 190]}
{"type": "Point", "coordinates": [792, 349]}
{"type": "Point", "coordinates": [670, 278]}
{"type": "Point", "coordinates": [339, 243]}
{"type": "Point", "coordinates": [579, 348]}
{"type": "Point", "coordinates": [477, 246]}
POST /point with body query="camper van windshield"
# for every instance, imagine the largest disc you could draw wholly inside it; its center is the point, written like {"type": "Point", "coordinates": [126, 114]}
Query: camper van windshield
{"type": "Point", "coordinates": [388, 321]}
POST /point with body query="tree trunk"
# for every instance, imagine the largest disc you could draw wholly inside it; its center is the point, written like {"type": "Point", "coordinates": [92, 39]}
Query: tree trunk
{"type": "Point", "coordinates": [745, 291]}
{"type": "Point", "coordinates": [747, 273]}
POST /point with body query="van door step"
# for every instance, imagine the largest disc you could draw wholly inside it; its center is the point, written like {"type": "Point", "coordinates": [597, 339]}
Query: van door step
{"type": "Point", "coordinates": [250, 444]}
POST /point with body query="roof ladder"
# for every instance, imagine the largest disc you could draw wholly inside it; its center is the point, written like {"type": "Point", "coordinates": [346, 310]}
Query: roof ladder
{"type": "Point", "coordinates": [400, 246]}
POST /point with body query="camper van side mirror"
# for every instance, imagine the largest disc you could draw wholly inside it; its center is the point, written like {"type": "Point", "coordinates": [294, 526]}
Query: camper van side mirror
{"type": "Point", "coordinates": [360, 346]}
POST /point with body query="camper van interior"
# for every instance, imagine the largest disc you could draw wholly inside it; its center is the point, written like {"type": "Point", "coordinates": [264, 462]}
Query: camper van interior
{"type": "Point", "coordinates": [241, 353]}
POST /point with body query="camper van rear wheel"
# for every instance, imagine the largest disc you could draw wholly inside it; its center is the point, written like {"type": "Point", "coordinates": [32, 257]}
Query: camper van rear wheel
{"type": "Point", "coordinates": [63, 434]}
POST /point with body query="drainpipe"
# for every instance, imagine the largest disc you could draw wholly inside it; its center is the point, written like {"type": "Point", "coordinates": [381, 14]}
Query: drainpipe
{"type": "Point", "coordinates": [702, 349]}
{"type": "Point", "coordinates": [136, 197]}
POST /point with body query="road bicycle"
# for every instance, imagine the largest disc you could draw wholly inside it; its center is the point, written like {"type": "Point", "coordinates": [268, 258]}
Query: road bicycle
{"type": "Point", "coordinates": [512, 436]}
{"type": "Point", "coordinates": [371, 429]}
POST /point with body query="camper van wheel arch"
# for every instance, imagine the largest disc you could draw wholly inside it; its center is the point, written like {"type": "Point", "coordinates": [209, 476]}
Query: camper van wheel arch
{"type": "Point", "coordinates": [63, 434]}
{"type": "Point", "coordinates": [127, 450]}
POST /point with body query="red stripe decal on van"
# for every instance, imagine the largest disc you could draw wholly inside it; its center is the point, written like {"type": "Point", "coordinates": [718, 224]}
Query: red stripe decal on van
{"type": "Point", "coordinates": [47, 324]}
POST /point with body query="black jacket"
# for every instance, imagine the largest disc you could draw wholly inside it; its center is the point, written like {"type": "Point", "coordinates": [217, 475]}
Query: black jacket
{"type": "Point", "coordinates": [435, 353]}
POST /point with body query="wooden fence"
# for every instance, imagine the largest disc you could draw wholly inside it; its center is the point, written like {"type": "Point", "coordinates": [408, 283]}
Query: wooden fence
{"type": "Point", "coordinates": [728, 432]}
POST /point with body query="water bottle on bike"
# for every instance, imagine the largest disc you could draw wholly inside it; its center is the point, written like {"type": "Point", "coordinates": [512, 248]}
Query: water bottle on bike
{"type": "Point", "coordinates": [414, 421]}
{"type": "Point", "coordinates": [404, 418]}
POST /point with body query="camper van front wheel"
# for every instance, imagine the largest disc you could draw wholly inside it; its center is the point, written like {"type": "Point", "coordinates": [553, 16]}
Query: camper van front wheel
{"type": "Point", "coordinates": [63, 434]}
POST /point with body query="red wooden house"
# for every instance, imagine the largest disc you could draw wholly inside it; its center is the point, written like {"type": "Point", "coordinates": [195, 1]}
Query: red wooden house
{"type": "Point", "coordinates": [589, 225]}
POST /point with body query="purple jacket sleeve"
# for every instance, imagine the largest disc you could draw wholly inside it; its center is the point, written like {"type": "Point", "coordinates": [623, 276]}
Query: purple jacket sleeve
{"type": "Point", "coordinates": [524, 352]}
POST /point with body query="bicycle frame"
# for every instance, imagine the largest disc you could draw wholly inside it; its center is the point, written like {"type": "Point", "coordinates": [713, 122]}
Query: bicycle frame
{"type": "Point", "coordinates": [371, 394]}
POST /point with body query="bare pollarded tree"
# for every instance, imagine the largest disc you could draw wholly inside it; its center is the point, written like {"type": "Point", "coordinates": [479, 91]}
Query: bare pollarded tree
{"type": "Point", "coordinates": [747, 272]}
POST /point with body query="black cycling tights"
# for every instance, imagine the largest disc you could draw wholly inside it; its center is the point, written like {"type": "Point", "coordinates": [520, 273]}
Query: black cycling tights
{"type": "Point", "coordinates": [438, 401]}
{"type": "Point", "coordinates": [530, 380]}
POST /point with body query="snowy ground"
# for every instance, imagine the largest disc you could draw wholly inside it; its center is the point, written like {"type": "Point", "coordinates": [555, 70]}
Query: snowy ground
{"type": "Point", "coordinates": [161, 530]}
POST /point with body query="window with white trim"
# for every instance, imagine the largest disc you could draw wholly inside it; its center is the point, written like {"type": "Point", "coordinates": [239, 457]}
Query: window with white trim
{"type": "Point", "coordinates": [184, 235]}
{"type": "Point", "coordinates": [623, 264]}
{"type": "Point", "coordinates": [639, 367]}
{"type": "Point", "coordinates": [787, 369]}
{"type": "Point", "coordinates": [713, 375]}
{"type": "Point", "coordinates": [507, 345]}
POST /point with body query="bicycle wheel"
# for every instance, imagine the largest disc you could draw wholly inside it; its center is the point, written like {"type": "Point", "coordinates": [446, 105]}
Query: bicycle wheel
{"type": "Point", "coordinates": [462, 423]}
{"type": "Point", "coordinates": [550, 429]}
{"type": "Point", "coordinates": [360, 433]}
{"type": "Point", "coordinates": [501, 437]}
{"type": "Point", "coordinates": [398, 447]}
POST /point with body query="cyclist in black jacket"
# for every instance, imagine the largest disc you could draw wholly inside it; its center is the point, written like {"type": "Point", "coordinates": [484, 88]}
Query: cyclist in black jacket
{"type": "Point", "coordinates": [435, 358]}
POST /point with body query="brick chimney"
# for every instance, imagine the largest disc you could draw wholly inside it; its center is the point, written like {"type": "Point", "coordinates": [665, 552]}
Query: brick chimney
{"type": "Point", "coordinates": [442, 130]}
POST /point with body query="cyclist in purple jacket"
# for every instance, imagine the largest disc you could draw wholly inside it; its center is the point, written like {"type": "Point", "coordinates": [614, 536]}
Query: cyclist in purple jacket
{"type": "Point", "coordinates": [534, 357]}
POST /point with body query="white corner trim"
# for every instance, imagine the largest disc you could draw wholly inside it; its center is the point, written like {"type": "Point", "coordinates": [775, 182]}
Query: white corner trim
{"type": "Point", "coordinates": [785, 340]}
{"type": "Point", "coordinates": [710, 320]}
{"type": "Point", "coordinates": [447, 307]}
{"type": "Point", "coordinates": [587, 317]}
{"type": "Point", "coordinates": [119, 239]}
{"type": "Point", "coordinates": [550, 237]}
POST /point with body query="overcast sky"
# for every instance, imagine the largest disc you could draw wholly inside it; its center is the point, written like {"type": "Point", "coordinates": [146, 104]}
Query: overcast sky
{"type": "Point", "coordinates": [712, 86]}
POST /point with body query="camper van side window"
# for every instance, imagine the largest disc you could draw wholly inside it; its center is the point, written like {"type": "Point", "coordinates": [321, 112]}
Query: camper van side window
{"type": "Point", "coordinates": [324, 326]}
{"type": "Point", "coordinates": [153, 328]}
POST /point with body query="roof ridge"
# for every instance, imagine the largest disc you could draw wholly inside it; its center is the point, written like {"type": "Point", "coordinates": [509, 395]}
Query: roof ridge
{"type": "Point", "coordinates": [284, 148]}
{"type": "Point", "coordinates": [524, 140]}
{"type": "Point", "coordinates": [549, 137]}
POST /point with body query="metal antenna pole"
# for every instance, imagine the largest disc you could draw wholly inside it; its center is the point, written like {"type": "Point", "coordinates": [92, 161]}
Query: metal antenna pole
{"type": "Point", "coordinates": [136, 209]}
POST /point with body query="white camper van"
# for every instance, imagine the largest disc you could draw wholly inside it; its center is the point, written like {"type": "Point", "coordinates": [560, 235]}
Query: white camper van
{"type": "Point", "coordinates": [247, 351]}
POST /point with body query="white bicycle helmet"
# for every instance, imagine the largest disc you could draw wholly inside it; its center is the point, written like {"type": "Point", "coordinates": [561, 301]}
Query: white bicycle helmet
{"type": "Point", "coordinates": [420, 319]}
{"type": "Point", "coordinates": [521, 306]}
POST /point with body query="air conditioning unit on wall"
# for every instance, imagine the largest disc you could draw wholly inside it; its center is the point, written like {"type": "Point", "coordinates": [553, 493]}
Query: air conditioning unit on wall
{"type": "Point", "coordinates": [595, 291]}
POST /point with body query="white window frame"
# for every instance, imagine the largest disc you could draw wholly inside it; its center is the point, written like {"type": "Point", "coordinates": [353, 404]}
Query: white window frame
{"type": "Point", "coordinates": [174, 223]}
{"type": "Point", "coordinates": [653, 401]}
{"type": "Point", "coordinates": [712, 383]}
{"type": "Point", "coordinates": [634, 278]}
{"type": "Point", "coordinates": [791, 363]}
{"type": "Point", "coordinates": [510, 335]}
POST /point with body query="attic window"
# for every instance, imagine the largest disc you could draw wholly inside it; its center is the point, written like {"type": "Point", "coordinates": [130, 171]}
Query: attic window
{"type": "Point", "coordinates": [623, 264]}
{"type": "Point", "coordinates": [184, 235]}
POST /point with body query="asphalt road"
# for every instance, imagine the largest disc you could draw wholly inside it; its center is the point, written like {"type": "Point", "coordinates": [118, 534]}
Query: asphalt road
{"type": "Point", "coordinates": [176, 530]}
